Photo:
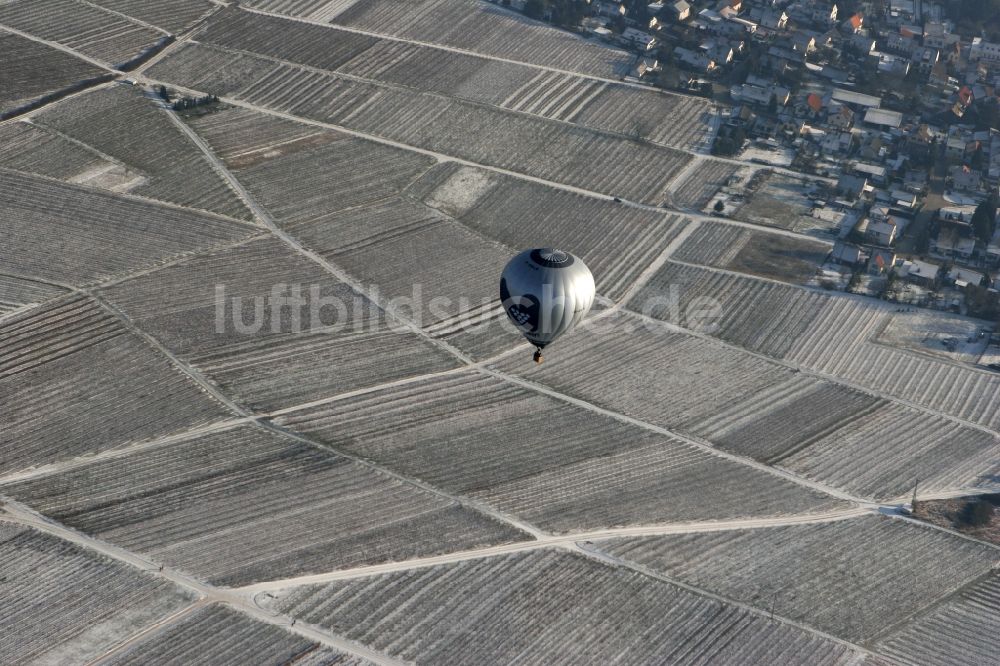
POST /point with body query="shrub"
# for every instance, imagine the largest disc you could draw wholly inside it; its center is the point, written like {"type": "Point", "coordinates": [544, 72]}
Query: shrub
{"type": "Point", "coordinates": [977, 513]}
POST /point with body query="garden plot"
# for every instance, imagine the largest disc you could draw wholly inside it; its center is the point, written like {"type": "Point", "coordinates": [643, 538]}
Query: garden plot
{"type": "Point", "coordinates": [292, 370]}
{"type": "Point", "coordinates": [74, 381]}
{"type": "Point", "coordinates": [937, 333]}
{"type": "Point", "coordinates": [782, 201]}
{"type": "Point", "coordinates": [713, 244]}
{"type": "Point", "coordinates": [491, 440]}
{"type": "Point", "coordinates": [838, 331]}
{"type": "Point", "coordinates": [217, 634]}
{"type": "Point", "coordinates": [765, 317]}
{"type": "Point", "coordinates": [308, 174]}
{"type": "Point", "coordinates": [314, 10]}
{"type": "Point", "coordinates": [780, 257]}
{"type": "Point", "coordinates": [617, 242]}
{"type": "Point", "coordinates": [785, 418]}
{"type": "Point", "coordinates": [964, 629]}
{"type": "Point", "coordinates": [31, 70]}
{"type": "Point", "coordinates": [247, 505]}
{"type": "Point", "coordinates": [952, 388]}
{"type": "Point", "coordinates": [69, 234]}
{"type": "Point", "coordinates": [97, 33]}
{"type": "Point", "coordinates": [372, 244]}
{"type": "Point", "coordinates": [122, 123]}
{"type": "Point", "coordinates": [63, 603]}
{"type": "Point", "coordinates": [651, 115]}
{"type": "Point", "coordinates": [174, 17]}
{"type": "Point", "coordinates": [881, 453]}
{"type": "Point", "coordinates": [35, 150]}
{"type": "Point", "coordinates": [317, 46]}
{"type": "Point", "coordinates": [487, 29]}
{"type": "Point", "coordinates": [242, 137]}
{"type": "Point", "coordinates": [16, 292]}
{"type": "Point", "coordinates": [851, 578]}
{"type": "Point", "coordinates": [447, 72]}
{"type": "Point", "coordinates": [547, 607]}
{"type": "Point", "coordinates": [620, 363]}
{"type": "Point", "coordinates": [699, 187]}
{"type": "Point", "coordinates": [218, 71]}
{"type": "Point", "coordinates": [757, 253]}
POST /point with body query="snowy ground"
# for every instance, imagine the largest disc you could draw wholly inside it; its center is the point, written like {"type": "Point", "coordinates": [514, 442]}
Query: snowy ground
{"type": "Point", "coordinates": [950, 336]}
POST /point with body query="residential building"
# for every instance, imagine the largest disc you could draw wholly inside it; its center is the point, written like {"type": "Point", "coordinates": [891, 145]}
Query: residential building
{"type": "Point", "coordinates": [984, 51]}
{"type": "Point", "coordinates": [881, 232]}
{"type": "Point", "coordinates": [884, 118]}
{"type": "Point", "coordinates": [920, 272]}
{"type": "Point", "coordinates": [638, 39]}
{"type": "Point", "coordinates": [965, 179]}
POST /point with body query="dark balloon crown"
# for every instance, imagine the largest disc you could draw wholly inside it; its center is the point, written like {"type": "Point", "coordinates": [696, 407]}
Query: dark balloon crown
{"type": "Point", "coordinates": [551, 258]}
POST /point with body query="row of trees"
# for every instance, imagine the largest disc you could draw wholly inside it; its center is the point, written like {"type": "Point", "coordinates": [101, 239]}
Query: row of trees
{"type": "Point", "coordinates": [984, 220]}
{"type": "Point", "coordinates": [565, 13]}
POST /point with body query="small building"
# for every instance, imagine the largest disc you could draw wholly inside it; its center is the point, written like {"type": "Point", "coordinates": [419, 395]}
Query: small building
{"type": "Point", "coordinates": [874, 172]}
{"type": "Point", "coordinates": [893, 65]}
{"type": "Point", "coordinates": [855, 98]}
{"type": "Point", "coordinates": [953, 242]}
{"type": "Point", "coordinates": [965, 179]}
{"type": "Point", "coordinates": [957, 214]}
{"type": "Point", "coordinates": [965, 277]}
{"type": "Point", "coordinates": [984, 51]}
{"type": "Point", "coordinates": [814, 102]}
{"type": "Point", "coordinates": [639, 39]}
{"type": "Point", "coordinates": [852, 187]}
{"type": "Point", "coordinates": [679, 10]}
{"type": "Point", "coordinates": [847, 253]}
{"type": "Point", "coordinates": [904, 199]}
{"type": "Point", "coordinates": [882, 261]}
{"type": "Point", "coordinates": [855, 23]}
{"type": "Point", "coordinates": [884, 118]}
{"type": "Point", "coordinates": [803, 42]}
{"type": "Point", "coordinates": [606, 8]}
{"type": "Point", "coordinates": [915, 181]}
{"type": "Point", "coordinates": [881, 232]}
{"type": "Point", "coordinates": [920, 272]}
{"type": "Point", "coordinates": [693, 59]}
{"type": "Point", "coordinates": [842, 118]}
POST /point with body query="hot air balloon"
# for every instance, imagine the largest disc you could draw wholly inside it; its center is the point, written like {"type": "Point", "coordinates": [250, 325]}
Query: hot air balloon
{"type": "Point", "coordinates": [546, 292]}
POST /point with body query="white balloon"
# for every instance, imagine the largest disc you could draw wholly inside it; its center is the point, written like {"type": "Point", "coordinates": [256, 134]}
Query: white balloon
{"type": "Point", "coordinates": [546, 292]}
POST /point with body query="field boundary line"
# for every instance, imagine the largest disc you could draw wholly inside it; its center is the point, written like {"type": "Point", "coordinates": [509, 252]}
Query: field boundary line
{"type": "Point", "coordinates": [108, 67]}
{"type": "Point", "coordinates": [149, 631]}
{"type": "Point", "coordinates": [125, 17]}
{"type": "Point", "coordinates": [472, 504]}
{"type": "Point", "coordinates": [443, 157]}
{"type": "Point", "coordinates": [443, 47]}
{"type": "Point", "coordinates": [264, 216]}
{"type": "Point", "coordinates": [929, 608]}
{"type": "Point", "coordinates": [563, 540]}
{"type": "Point", "coordinates": [17, 513]}
{"type": "Point", "coordinates": [687, 439]}
{"type": "Point", "coordinates": [128, 196]}
{"type": "Point", "coordinates": [611, 560]}
{"type": "Point", "coordinates": [71, 464]}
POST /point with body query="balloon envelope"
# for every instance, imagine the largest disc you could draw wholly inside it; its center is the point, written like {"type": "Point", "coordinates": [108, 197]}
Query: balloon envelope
{"type": "Point", "coordinates": [546, 292]}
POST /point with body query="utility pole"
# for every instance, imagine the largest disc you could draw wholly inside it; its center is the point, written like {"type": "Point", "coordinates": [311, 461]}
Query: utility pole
{"type": "Point", "coordinates": [913, 502]}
